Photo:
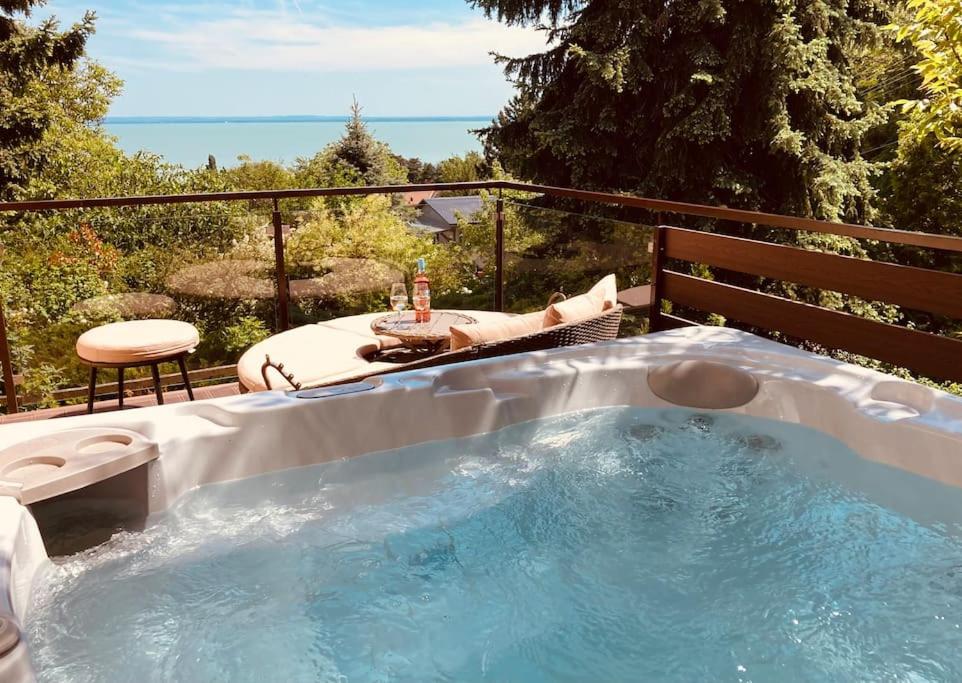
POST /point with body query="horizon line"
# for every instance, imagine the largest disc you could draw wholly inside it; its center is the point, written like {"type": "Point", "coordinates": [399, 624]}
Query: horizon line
{"type": "Point", "coordinates": [293, 118]}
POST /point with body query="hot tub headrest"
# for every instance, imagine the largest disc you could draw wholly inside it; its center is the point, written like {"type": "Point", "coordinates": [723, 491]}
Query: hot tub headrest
{"type": "Point", "coordinates": [702, 384]}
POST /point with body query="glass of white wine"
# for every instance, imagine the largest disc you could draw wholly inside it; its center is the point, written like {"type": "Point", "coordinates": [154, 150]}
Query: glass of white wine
{"type": "Point", "coordinates": [399, 299]}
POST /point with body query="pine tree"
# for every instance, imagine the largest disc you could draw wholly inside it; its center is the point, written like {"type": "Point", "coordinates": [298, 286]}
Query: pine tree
{"type": "Point", "coordinates": [27, 56]}
{"type": "Point", "coordinates": [360, 151]}
{"type": "Point", "coordinates": [745, 103]}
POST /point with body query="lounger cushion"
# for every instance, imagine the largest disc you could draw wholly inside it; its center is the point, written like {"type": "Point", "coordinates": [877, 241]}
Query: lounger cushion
{"type": "Point", "coordinates": [312, 353]}
{"type": "Point", "coordinates": [574, 309]}
{"type": "Point", "coordinates": [596, 300]}
{"type": "Point", "coordinates": [361, 324]}
{"type": "Point", "coordinates": [608, 286]}
{"type": "Point", "coordinates": [136, 342]}
{"type": "Point", "coordinates": [463, 336]}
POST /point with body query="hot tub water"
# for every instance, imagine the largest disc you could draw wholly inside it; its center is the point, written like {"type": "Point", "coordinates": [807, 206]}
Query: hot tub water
{"type": "Point", "coordinates": [619, 544]}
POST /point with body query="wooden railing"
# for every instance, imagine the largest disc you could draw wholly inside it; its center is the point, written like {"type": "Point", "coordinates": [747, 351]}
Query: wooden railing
{"type": "Point", "coordinates": [915, 288]}
{"type": "Point", "coordinates": [911, 287]}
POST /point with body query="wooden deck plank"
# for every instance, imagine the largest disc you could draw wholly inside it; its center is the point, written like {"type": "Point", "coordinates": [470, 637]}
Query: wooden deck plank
{"type": "Point", "coordinates": [130, 403]}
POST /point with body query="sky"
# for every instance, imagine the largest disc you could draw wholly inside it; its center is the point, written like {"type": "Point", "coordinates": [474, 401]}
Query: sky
{"type": "Point", "coordinates": [297, 57]}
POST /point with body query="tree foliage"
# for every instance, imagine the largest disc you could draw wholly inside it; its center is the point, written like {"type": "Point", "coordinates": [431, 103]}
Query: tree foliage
{"type": "Point", "coordinates": [464, 169]}
{"type": "Point", "coordinates": [357, 158]}
{"type": "Point", "coordinates": [935, 31]}
{"type": "Point", "coordinates": [30, 58]}
{"type": "Point", "coordinates": [252, 174]}
{"type": "Point", "coordinates": [749, 104]}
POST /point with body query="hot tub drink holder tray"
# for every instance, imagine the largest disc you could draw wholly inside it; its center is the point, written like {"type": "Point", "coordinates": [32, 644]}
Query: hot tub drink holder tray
{"type": "Point", "coordinates": [49, 466]}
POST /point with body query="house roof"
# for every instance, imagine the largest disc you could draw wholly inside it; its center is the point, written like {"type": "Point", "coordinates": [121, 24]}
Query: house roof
{"type": "Point", "coordinates": [449, 207]}
{"type": "Point", "coordinates": [415, 198]}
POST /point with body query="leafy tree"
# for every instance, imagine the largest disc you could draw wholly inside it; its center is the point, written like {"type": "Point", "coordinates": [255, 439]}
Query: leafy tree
{"type": "Point", "coordinates": [258, 175]}
{"type": "Point", "coordinates": [922, 189]}
{"type": "Point", "coordinates": [935, 30]}
{"type": "Point", "coordinates": [369, 229]}
{"type": "Point", "coordinates": [29, 56]}
{"type": "Point", "coordinates": [469, 168]}
{"type": "Point", "coordinates": [418, 171]}
{"type": "Point", "coordinates": [749, 104]}
{"type": "Point", "coordinates": [884, 72]}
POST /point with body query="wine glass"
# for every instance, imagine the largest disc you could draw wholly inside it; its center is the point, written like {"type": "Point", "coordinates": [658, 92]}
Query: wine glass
{"type": "Point", "coordinates": [399, 299]}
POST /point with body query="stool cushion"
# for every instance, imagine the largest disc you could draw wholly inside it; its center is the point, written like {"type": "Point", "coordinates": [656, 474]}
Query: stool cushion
{"type": "Point", "coordinates": [137, 342]}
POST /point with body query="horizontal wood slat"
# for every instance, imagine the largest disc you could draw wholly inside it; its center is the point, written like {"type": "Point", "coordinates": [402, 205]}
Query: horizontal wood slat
{"type": "Point", "coordinates": [931, 355]}
{"type": "Point", "coordinates": [916, 288]}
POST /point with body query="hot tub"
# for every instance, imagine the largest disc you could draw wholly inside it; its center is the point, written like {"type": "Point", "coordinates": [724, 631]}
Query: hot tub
{"type": "Point", "coordinates": [467, 468]}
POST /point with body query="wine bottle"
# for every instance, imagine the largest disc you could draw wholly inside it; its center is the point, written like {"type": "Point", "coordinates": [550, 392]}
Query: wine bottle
{"type": "Point", "coordinates": [422, 295]}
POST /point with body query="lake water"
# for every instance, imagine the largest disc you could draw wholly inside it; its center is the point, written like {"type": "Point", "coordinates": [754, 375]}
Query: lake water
{"type": "Point", "coordinates": [188, 141]}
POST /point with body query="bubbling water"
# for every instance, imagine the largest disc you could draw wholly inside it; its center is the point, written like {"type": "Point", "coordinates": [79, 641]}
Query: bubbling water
{"type": "Point", "coordinates": [618, 544]}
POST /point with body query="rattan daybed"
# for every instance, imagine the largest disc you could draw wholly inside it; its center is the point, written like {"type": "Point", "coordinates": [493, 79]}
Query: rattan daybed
{"type": "Point", "coordinates": [601, 327]}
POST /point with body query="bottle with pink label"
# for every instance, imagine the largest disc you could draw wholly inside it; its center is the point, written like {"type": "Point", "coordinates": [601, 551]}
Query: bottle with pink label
{"type": "Point", "coordinates": [422, 295]}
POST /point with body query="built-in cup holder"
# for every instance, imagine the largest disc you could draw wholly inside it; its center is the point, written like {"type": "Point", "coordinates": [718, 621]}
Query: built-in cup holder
{"type": "Point", "coordinates": [104, 443]}
{"type": "Point", "coordinates": [33, 466]}
{"type": "Point", "coordinates": [60, 462]}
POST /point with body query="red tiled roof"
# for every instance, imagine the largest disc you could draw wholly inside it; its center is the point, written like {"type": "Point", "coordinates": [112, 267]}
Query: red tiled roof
{"type": "Point", "coordinates": [415, 198]}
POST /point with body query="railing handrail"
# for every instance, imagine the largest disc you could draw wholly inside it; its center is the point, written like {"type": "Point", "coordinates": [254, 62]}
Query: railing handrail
{"type": "Point", "coordinates": [908, 237]}
{"type": "Point", "coordinates": [265, 195]}
{"type": "Point", "coordinates": [925, 240]}
{"type": "Point", "coordinates": [659, 206]}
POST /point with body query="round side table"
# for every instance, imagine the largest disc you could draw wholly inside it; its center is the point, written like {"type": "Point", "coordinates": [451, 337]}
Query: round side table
{"type": "Point", "coordinates": [431, 335]}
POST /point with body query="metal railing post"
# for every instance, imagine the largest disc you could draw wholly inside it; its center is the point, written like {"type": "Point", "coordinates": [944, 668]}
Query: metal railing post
{"type": "Point", "coordinates": [499, 254]}
{"type": "Point", "coordinates": [655, 322]}
{"type": "Point", "coordinates": [9, 387]}
{"type": "Point", "coordinates": [283, 294]}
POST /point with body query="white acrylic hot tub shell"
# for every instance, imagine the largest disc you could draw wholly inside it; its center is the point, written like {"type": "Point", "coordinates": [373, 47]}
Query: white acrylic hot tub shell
{"type": "Point", "coordinates": [899, 423]}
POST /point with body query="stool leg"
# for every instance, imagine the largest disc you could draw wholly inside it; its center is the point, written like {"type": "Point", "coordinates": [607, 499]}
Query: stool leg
{"type": "Point", "coordinates": [183, 373]}
{"type": "Point", "coordinates": [157, 388]}
{"type": "Point", "coordinates": [92, 389]}
{"type": "Point", "coordinates": [120, 388]}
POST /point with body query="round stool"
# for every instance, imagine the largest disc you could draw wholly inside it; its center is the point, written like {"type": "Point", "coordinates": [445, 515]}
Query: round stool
{"type": "Point", "coordinates": [136, 343]}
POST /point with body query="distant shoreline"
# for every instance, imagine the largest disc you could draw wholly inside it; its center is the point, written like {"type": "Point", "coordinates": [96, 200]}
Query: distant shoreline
{"type": "Point", "coordinates": [121, 120]}
{"type": "Point", "coordinates": [191, 140]}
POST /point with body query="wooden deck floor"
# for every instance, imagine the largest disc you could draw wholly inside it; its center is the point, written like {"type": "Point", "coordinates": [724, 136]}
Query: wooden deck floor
{"type": "Point", "coordinates": [130, 403]}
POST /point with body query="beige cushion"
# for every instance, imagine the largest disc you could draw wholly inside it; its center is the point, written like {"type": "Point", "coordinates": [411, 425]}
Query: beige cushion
{"type": "Point", "coordinates": [602, 296]}
{"type": "Point", "coordinates": [361, 324]}
{"type": "Point", "coordinates": [463, 336]}
{"type": "Point", "coordinates": [574, 309]}
{"type": "Point", "coordinates": [137, 341]}
{"type": "Point", "coordinates": [608, 286]}
{"type": "Point", "coordinates": [329, 351]}
{"type": "Point", "coordinates": [312, 352]}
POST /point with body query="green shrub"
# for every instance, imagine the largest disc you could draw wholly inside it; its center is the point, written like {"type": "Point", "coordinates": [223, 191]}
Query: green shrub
{"type": "Point", "coordinates": [244, 333]}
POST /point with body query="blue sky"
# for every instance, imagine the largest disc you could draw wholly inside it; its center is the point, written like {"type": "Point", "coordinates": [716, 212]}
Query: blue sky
{"type": "Point", "coordinates": [274, 57]}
